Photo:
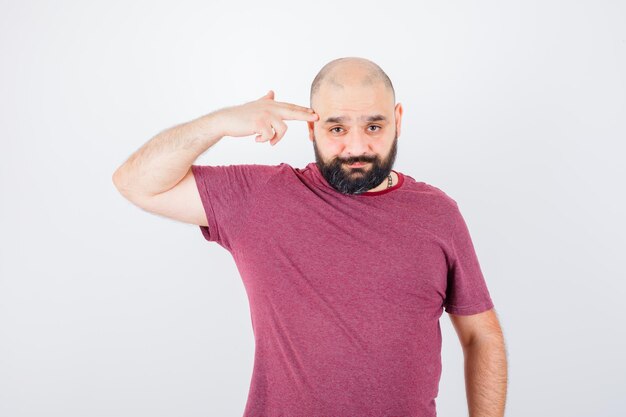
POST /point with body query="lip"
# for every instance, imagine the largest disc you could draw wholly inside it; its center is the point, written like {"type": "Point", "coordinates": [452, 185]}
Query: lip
{"type": "Point", "coordinates": [358, 164]}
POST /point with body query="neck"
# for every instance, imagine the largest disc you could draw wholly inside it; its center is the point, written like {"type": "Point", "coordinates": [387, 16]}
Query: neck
{"type": "Point", "coordinates": [385, 184]}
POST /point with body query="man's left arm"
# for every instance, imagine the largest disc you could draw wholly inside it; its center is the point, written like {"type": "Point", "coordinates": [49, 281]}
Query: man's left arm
{"type": "Point", "coordinates": [485, 362]}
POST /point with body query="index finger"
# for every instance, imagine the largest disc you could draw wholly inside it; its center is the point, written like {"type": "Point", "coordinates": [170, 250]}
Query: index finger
{"type": "Point", "coordinates": [290, 111]}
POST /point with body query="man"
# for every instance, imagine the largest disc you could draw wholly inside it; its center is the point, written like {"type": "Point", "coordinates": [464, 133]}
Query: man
{"type": "Point", "coordinates": [347, 263]}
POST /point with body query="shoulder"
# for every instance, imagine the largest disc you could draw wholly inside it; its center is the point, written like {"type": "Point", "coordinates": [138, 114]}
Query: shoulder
{"type": "Point", "coordinates": [429, 192]}
{"type": "Point", "coordinates": [235, 177]}
{"type": "Point", "coordinates": [433, 203]}
{"type": "Point", "coordinates": [237, 169]}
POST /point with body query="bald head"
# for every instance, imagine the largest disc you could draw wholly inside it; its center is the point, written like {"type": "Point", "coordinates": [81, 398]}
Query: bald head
{"type": "Point", "coordinates": [349, 71]}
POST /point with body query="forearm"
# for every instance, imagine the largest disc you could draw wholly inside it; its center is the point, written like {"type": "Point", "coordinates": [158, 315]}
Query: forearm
{"type": "Point", "coordinates": [486, 377]}
{"type": "Point", "coordinates": [165, 159]}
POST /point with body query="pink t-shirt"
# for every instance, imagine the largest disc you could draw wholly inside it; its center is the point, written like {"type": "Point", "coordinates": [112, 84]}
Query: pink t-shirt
{"type": "Point", "coordinates": [345, 291]}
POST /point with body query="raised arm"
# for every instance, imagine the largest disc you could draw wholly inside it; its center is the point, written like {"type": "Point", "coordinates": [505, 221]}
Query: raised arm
{"type": "Point", "coordinates": [158, 176]}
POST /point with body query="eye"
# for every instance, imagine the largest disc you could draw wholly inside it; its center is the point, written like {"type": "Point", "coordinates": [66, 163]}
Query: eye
{"type": "Point", "coordinates": [375, 126]}
{"type": "Point", "coordinates": [336, 127]}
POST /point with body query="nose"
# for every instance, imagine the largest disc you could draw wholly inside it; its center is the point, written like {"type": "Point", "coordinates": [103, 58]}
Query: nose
{"type": "Point", "coordinates": [356, 145]}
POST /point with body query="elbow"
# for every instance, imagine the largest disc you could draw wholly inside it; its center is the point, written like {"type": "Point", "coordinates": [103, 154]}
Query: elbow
{"type": "Point", "coordinates": [120, 184]}
{"type": "Point", "coordinates": [116, 180]}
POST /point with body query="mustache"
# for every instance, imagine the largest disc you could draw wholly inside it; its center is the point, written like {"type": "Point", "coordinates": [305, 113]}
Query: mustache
{"type": "Point", "coordinates": [351, 161]}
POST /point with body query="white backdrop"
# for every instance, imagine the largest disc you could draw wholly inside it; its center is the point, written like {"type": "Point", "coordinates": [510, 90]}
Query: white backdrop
{"type": "Point", "coordinates": [516, 109]}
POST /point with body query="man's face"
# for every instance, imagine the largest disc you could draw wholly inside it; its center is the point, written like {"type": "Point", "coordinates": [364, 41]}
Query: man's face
{"type": "Point", "coordinates": [356, 124]}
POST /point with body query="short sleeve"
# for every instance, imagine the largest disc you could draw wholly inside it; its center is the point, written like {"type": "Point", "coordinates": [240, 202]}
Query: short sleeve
{"type": "Point", "coordinates": [226, 192]}
{"type": "Point", "coordinates": [466, 291]}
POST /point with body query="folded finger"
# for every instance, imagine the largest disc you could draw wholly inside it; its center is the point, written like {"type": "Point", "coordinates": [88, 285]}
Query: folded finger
{"type": "Point", "coordinates": [280, 128]}
{"type": "Point", "coordinates": [265, 133]}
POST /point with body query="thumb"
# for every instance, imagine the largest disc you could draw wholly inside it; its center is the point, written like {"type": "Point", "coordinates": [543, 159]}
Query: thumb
{"type": "Point", "coordinates": [270, 95]}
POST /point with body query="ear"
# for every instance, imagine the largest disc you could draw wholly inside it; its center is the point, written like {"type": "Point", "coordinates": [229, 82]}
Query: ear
{"type": "Point", "coordinates": [310, 126]}
{"type": "Point", "coordinates": [399, 111]}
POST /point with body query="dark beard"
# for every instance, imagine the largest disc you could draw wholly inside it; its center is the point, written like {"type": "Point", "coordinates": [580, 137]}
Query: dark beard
{"type": "Point", "coordinates": [359, 180]}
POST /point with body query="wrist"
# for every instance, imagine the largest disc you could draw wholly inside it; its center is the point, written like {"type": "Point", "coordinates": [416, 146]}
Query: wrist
{"type": "Point", "coordinates": [210, 127]}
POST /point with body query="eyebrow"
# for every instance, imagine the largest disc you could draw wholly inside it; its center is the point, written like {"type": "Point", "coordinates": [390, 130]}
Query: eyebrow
{"type": "Point", "coordinates": [341, 119]}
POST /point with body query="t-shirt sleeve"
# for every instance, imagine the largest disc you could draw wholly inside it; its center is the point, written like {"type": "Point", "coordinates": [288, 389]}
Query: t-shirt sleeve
{"type": "Point", "coordinates": [466, 291]}
{"type": "Point", "coordinates": [226, 192]}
